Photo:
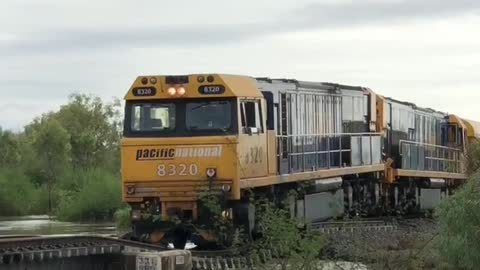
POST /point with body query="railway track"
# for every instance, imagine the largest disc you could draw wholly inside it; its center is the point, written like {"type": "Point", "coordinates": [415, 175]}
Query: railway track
{"type": "Point", "coordinates": [39, 249]}
{"type": "Point", "coordinates": [212, 259]}
{"type": "Point", "coordinates": [14, 250]}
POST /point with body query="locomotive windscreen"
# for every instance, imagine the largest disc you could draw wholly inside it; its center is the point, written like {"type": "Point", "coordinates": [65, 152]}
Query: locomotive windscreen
{"type": "Point", "coordinates": [181, 117]}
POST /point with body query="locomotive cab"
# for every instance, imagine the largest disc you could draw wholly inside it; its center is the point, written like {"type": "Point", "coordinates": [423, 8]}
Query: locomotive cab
{"type": "Point", "coordinates": [455, 133]}
{"type": "Point", "coordinates": [185, 137]}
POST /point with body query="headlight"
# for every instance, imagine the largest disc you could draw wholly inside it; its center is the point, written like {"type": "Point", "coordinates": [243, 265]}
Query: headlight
{"type": "Point", "coordinates": [181, 91]}
{"type": "Point", "coordinates": [171, 91]}
{"type": "Point", "coordinates": [226, 188]}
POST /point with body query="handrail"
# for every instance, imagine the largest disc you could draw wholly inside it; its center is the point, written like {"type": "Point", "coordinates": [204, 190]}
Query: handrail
{"type": "Point", "coordinates": [428, 144]}
{"type": "Point", "coordinates": [439, 157]}
{"type": "Point", "coordinates": [306, 152]}
{"type": "Point", "coordinates": [333, 134]}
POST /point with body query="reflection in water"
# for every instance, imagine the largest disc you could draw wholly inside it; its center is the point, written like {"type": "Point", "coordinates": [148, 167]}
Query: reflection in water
{"type": "Point", "coordinates": [42, 225]}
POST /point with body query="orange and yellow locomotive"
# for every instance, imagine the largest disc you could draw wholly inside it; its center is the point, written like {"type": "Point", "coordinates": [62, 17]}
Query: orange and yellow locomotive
{"type": "Point", "coordinates": [354, 151]}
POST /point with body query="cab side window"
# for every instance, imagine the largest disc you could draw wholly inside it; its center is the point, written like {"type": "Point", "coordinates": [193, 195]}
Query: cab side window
{"type": "Point", "coordinates": [251, 115]}
{"type": "Point", "coordinates": [452, 138]}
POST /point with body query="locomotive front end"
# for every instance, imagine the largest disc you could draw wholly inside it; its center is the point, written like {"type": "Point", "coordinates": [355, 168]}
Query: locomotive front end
{"type": "Point", "coordinates": [180, 144]}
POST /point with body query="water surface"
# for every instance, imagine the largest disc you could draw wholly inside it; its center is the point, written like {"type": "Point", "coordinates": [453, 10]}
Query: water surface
{"type": "Point", "coordinates": [45, 225]}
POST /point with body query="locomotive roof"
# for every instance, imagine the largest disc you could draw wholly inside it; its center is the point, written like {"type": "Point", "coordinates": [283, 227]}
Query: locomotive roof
{"type": "Point", "coordinates": [157, 86]}
{"type": "Point", "coordinates": [414, 106]}
{"type": "Point", "coordinates": [313, 85]}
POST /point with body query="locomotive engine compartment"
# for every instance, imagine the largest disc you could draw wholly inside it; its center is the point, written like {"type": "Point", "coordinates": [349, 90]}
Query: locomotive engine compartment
{"type": "Point", "coordinates": [347, 151]}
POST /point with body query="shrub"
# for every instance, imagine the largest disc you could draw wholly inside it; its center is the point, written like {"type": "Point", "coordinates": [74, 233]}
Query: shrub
{"type": "Point", "coordinates": [459, 219]}
{"type": "Point", "coordinates": [122, 218]}
{"type": "Point", "coordinates": [39, 201]}
{"type": "Point", "coordinates": [16, 193]}
{"type": "Point", "coordinates": [97, 198]}
{"type": "Point", "coordinates": [473, 158]}
{"type": "Point", "coordinates": [295, 247]}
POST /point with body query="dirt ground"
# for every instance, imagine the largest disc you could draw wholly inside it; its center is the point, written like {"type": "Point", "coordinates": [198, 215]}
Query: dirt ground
{"type": "Point", "coordinates": [409, 246]}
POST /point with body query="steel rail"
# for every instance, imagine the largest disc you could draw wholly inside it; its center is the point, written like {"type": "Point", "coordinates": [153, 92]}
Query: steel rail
{"type": "Point", "coordinates": [14, 250]}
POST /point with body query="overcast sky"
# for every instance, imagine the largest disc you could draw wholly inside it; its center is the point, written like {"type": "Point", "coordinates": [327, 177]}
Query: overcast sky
{"type": "Point", "coordinates": [427, 51]}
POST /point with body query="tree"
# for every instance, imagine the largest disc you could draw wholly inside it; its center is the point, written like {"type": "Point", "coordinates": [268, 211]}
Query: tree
{"type": "Point", "coordinates": [51, 143]}
{"type": "Point", "coordinates": [10, 153]}
{"type": "Point", "coordinates": [94, 129]}
{"type": "Point", "coordinates": [65, 162]}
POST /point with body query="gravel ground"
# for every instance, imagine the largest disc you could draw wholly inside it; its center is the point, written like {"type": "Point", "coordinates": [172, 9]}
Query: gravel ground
{"type": "Point", "coordinates": [406, 247]}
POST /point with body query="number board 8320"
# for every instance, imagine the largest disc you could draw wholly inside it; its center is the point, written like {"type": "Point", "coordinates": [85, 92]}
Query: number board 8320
{"type": "Point", "coordinates": [144, 91]}
{"type": "Point", "coordinates": [211, 89]}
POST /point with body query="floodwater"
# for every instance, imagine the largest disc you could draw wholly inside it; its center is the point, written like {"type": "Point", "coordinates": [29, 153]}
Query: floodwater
{"type": "Point", "coordinates": [44, 225]}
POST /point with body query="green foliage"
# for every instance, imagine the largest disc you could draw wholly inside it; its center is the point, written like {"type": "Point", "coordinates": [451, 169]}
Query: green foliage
{"type": "Point", "coordinates": [213, 216]}
{"type": "Point", "coordinates": [52, 148]}
{"type": "Point", "coordinates": [94, 129]}
{"type": "Point", "coordinates": [473, 158]}
{"type": "Point", "coordinates": [459, 219]}
{"type": "Point", "coordinates": [18, 196]}
{"type": "Point", "coordinates": [211, 202]}
{"type": "Point", "coordinates": [39, 201]}
{"type": "Point", "coordinates": [295, 247]}
{"type": "Point", "coordinates": [65, 162]}
{"type": "Point", "coordinates": [51, 141]}
{"type": "Point", "coordinates": [122, 217]}
{"type": "Point", "coordinates": [10, 149]}
{"type": "Point", "coordinates": [97, 198]}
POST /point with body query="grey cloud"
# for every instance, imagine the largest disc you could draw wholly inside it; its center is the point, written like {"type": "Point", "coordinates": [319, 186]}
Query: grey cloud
{"type": "Point", "coordinates": [17, 112]}
{"type": "Point", "coordinates": [161, 36]}
{"type": "Point", "coordinates": [352, 12]}
{"type": "Point", "coordinates": [35, 90]}
{"type": "Point", "coordinates": [312, 16]}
